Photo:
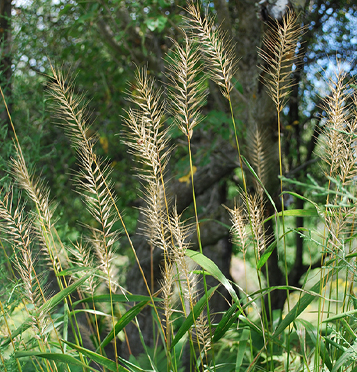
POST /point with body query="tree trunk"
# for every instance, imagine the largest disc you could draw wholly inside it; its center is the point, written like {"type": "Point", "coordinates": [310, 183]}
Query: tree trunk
{"type": "Point", "coordinates": [256, 110]}
{"type": "Point", "coordinates": [5, 58]}
{"type": "Point", "coordinates": [259, 114]}
{"type": "Point", "coordinates": [214, 238]}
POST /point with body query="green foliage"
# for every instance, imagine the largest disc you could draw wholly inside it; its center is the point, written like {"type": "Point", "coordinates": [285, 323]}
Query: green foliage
{"type": "Point", "coordinates": [159, 358]}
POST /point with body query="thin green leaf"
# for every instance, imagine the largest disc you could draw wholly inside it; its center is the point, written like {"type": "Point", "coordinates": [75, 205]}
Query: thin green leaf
{"type": "Point", "coordinates": [116, 298]}
{"type": "Point", "coordinates": [339, 316]}
{"type": "Point", "coordinates": [351, 255]}
{"type": "Point", "coordinates": [47, 307]}
{"type": "Point", "coordinates": [319, 189]}
{"type": "Point", "coordinates": [335, 344]}
{"type": "Point", "coordinates": [61, 318]}
{"type": "Point", "coordinates": [295, 212]}
{"type": "Point", "coordinates": [225, 323]}
{"type": "Point", "coordinates": [65, 325]}
{"type": "Point", "coordinates": [72, 271]}
{"type": "Point", "coordinates": [213, 269]}
{"type": "Point", "coordinates": [90, 311]}
{"type": "Point", "coordinates": [100, 359]}
{"type": "Point", "coordinates": [60, 296]}
{"type": "Point", "coordinates": [312, 332]}
{"type": "Point", "coordinates": [242, 345]}
{"type": "Point", "coordinates": [230, 316]}
{"type": "Point", "coordinates": [264, 257]}
{"type": "Point", "coordinates": [267, 253]}
{"type": "Point", "coordinates": [341, 187]}
{"type": "Point", "coordinates": [57, 357]}
{"type": "Point", "coordinates": [254, 327]}
{"type": "Point", "coordinates": [301, 305]}
{"type": "Point", "coordinates": [349, 355]}
{"type": "Point", "coordinates": [123, 321]}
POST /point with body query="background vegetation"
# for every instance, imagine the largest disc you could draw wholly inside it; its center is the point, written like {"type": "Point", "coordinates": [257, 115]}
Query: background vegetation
{"type": "Point", "coordinates": [103, 43]}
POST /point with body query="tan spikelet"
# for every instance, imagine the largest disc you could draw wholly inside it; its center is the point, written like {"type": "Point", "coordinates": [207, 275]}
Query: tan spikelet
{"type": "Point", "coordinates": [186, 87]}
{"type": "Point", "coordinates": [218, 51]}
{"type": "Point", "coordinates": [83, 257]}
{"type": "Point", "coordinates": [261, 155]}
{"type": "Point", "coordinates": [278, 54]}
{"type": "Point", "coordinates": [93, 181]}
{"type": "Point", "coordinates": [147, 138]}
{"type": "Point", "coordinates": [239, 226]}
{"type": "Point", "coordinates": [339, 128]}
{"type": "Point", "coordinates": [20, 232]}
{"type": "Point", "coordinates": [256, 218]}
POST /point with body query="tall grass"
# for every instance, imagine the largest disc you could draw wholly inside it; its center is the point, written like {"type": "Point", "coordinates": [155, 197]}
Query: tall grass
{"type": "Point", "coordinates": [42, 331]}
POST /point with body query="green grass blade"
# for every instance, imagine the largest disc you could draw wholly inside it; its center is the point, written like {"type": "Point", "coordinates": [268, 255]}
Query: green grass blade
{"type": "Point", "coordinates": [47, 307]}
{"type": "Point", "coordinates": [123, 321]}
{"type": "Point", "coordinates": [196, 311]}
{"type": "Point", "coordinates": [301, 305]}
{"type": "Point", "coordinates": [65, 325]}
{"type": "Point", "coordinates": [312, 332]}
{"type": "Point", "coordinates": [61, 319]}
{"type": "Point", "coordinates": [229, 317]}
{"type": "Point", "coordinates": [324, 353]}
{"type": "Point", "coordinates": [295, 212]}
{"type": "Point", "coordinates": [267, 253]}
{"type": "Point", "coordinates": [214, 270]}
{"type": "Point", "coordinates": [116, 298]}
{"type": "Point", "coordinates": [339, 316]}
{"type": "Point", "coordinates": [57, 357]}
{"type": "Point", "coordinates": [264, 257]}
{"type": "Point", "coordinates": [100, 359]}
{"type": "Point", "coordinates": [242, 345]}
{"type": "Point", "coordinates": [74, 270]}
{"type": "Point", "coordinates": [225, 323]}
{"type": "Point", "coordinates": [60, 296]}
{"type": "Point", "coordinates": [90, 311]}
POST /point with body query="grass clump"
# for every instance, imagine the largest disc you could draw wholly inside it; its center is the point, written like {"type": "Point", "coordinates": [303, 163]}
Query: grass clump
{"type": "Point", "coordinates": [85, 324]}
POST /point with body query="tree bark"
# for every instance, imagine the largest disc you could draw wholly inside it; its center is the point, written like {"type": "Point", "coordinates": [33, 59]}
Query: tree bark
{"type": "Point", "coordinates": [5, 57]}
{"type": "Point", "coordinates": [256, 110]}
{"type": "Point", "coordinates": [214, 239]}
